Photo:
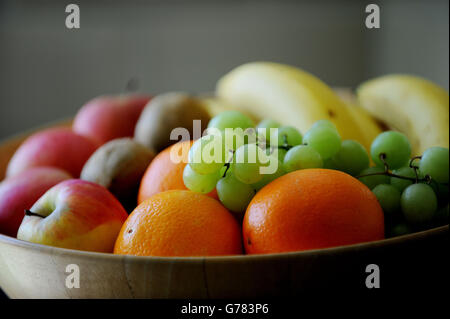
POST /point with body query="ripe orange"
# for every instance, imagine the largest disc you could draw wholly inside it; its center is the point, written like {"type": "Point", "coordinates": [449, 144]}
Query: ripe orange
{"type": "Point", "coordinates": [164, 174]}
{"type": "Point", "coordinates": [311, 208]}
{"type": "Point", "coordinates": [179, 223]}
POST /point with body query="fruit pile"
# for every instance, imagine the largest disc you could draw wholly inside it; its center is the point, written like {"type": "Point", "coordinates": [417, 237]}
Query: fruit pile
{"type": "Point", "coordinates": [408, 189]}
{"type": "Point", "coordinates": [238, 159]}
{"type": "Point", "coordinates": [317, 171]}
{"type": "Point", "coordinates": [413, 192]}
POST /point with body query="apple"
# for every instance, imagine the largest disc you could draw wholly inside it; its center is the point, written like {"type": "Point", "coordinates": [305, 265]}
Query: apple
{"type": "Point", "coordinates": [20, 192]}
{"type": "Point", "coordinates": [109, 117]}
{"type": "Point", "coordinates": [55, 147]}
{"type": "Point", "coordinates": [74, 214]}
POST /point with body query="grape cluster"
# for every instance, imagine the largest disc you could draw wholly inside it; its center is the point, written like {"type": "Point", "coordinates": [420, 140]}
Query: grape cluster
{"type": "Point", "coordinates": [413, 192]}
{"type": "Point", "coordinates": [237, 159]}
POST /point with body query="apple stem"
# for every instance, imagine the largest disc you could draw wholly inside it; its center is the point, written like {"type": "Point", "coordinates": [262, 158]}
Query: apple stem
{"type": "Point", "coordinates": [30, 213]}
{"type": "Point", "coordinates": [132, 84]}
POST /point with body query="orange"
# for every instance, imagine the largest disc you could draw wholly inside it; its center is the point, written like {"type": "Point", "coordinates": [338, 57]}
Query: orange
{"type": "Point", "coordinates": [179, 223]}
{"type": "Point", "coordinates": [309, 209]}
{"type": "Point", "coordinates": [165, 174]}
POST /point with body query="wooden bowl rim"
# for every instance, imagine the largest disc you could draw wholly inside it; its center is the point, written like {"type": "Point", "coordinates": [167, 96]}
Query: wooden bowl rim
{"type": "Point", "coordinates": [237, 258]}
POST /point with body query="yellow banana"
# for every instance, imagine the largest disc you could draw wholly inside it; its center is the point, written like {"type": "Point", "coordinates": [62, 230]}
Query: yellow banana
{"type": "Point", "coordinates": [288, 95]}
{"type": "Point", "coordinates": [214, 105]}
{"type": "Point", "coordinates": [409, 104]}
{"type": "Point", "coordinates": [368, 126]}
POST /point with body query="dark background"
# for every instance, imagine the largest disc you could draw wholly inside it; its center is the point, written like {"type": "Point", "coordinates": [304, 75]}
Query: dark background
{"type": "Point", "coordinates": [48, 71]}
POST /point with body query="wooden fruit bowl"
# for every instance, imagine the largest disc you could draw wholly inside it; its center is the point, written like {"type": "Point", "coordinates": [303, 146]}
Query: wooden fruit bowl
{"type": "Point", "coordinates": [30, 270]}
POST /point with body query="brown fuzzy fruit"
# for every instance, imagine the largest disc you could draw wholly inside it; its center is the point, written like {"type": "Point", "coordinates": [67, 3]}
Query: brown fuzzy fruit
{"type": "Point", "coordinates": [166, 112]}
{"type": "Point", "coordinates": [119, 166]}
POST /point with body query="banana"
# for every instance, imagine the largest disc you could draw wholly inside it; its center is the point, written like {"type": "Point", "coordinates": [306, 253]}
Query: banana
{"type": "Point", "coordinates": [214, 105]}
{"type": "Point", "coordinates": [288, 95]}
{"type": "Point", "coordinates": [368, 125]}
{"type": "Point", "coordinates": [409, 104]}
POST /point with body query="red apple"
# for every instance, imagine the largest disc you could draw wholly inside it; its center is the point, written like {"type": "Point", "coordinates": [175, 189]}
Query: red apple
{"type": "Point", "coordinates": [74, 214]}
{"type": "Point", "coordinates": [109, 117]}
{"type": "Point", "coordinates": [56, 147]}
{"type": "Point", "coordinates": [22, 191]}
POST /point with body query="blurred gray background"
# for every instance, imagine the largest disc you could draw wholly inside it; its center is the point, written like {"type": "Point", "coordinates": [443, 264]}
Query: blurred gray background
{"type": "Point", "coordinates": [47, 71]}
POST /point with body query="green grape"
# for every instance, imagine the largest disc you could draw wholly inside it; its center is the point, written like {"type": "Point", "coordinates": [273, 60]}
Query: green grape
{"type": "Point", "coordinates": [414, 162]}
{"type": "Point", "coordinates": [206, 155]}
{"type": "Point", "coordinates": [198, 182]}
{"type": "Point", "coordinates": [400, 229]}
{"type": "Point", "coordinates": [395, 147]}
{"type": "Point", "coordinates": [351, 158]}
{"type": "Point", "coordinates": [324, 140]}
{"type": "Point", "coordinates": [419, 203]}
{"type": "Point", "coordinates": [324, 123]}
{"type": "Point", "coordinates": [247, 163]}
{"type": "Point", "coordinates": [281, 154]}
{"type": "Point", "coordinates": [441, 190]}
{"type": "Point", "coordinates": [234, 194]}
{"type": "Point", "coordinates": [276, 151]}
{"type": "Point", "coordinates": [230, 119]}
{"type": "Point", "coordinates": [329, 164]}
{"type": "Point", "coordinates": [435, 163]}
{"type": "Point", "coordinates": [270, 163]}
{"type": "Point", "coordinates": [232, 140]}
{"type": "Point", "coordinates": [267, 178]}
{"type": "Point", "coordinates": [301, 157]}
{"type": "Point", "coordinates": [224, 169]}
{"type": "Point", "coordinates": [268, 123]}
{"type": "Point", "coordinates": [374, 180]}
{"type": "Point", "coordinates": [286, 135]}
{"type": "Point", "coordinates": [389, 198]}
{"type": "Point", "coordinates": [264, 127]}
{"type": "Point", "coordinates": [251, 136]}
{"type": "Point", "coordinates": [401, 183]}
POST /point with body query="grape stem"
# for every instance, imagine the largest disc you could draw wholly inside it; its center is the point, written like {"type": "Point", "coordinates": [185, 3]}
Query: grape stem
{"type": "Point", "coordinates": [411, 162]}
{"type": "Point", "coordinates": [227, 165]}
{"type": "Point", "coordinates": [386, 172]}
{"type": "Point", "coordinates": [413, 179]}
{"type": "Point", "coordinates": [414, 167]}
{"type": "Point", "coordinates": [285, 145]}
{"type": "Point", "coordinates": [383, 159]}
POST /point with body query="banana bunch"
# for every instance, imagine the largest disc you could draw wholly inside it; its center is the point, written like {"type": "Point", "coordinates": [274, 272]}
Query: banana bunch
{"type": "Point", "coordinates": [213, 105]}
{"type": "Point", "coordinates": [409, 104]}
{"type": "Point", "coordinates": [293, 97]}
